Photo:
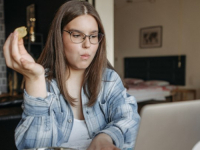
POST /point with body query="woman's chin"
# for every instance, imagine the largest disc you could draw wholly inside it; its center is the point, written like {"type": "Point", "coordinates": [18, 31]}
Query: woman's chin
{"type": "Point", "coordinates": [82, 67]}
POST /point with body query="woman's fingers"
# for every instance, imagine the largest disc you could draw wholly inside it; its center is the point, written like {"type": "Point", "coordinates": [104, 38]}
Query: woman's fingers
{"type": "Point", "coordinates": [6, 50]}
{"type": "Point", "coordinates": [15, 50]}
{"type": "Point", "coordinates": [22, 49]}
{"type": "Point", "coordinates": [18, 59]}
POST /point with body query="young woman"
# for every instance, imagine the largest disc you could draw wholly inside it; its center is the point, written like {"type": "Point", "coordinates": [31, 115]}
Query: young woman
{"type": "Point", "coordinates": [72, 97]}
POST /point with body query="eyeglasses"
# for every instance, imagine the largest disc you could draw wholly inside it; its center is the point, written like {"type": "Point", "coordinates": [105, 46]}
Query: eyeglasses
{"type": "Point", "coordinates": [79, 37]}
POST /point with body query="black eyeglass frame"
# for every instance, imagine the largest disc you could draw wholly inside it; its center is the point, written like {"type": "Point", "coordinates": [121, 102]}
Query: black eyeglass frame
{"type": "Point", "coordinates": [89, 36]}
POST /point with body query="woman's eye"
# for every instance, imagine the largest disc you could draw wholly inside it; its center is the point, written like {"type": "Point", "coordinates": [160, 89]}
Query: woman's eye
{"type": "Point", "coordinates": [76, 35]}
{"type": "Point", "coordinates": [93, 36]}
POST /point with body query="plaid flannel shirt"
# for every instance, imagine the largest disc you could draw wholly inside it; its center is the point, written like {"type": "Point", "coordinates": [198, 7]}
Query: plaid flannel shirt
{"type": "Point", "coordinates": [48, 121]}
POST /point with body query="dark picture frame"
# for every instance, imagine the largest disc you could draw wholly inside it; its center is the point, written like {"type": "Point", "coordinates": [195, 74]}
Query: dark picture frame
{"type": "Point", "coordinates": [151, 37]}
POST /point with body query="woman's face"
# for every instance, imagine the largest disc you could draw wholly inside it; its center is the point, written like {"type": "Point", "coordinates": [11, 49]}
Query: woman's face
{"type": "Point", "coordinates": [80, 55]}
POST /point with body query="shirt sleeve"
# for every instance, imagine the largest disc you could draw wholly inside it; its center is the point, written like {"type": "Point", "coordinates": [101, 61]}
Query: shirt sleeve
{"type": "Point", "coordinates": [123, 116]}
{"type": "Point", "coordinates": [35, 127]}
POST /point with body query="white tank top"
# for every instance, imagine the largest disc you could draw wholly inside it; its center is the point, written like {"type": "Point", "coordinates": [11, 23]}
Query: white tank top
{"type": "Point", "coordinates": [79, 137]}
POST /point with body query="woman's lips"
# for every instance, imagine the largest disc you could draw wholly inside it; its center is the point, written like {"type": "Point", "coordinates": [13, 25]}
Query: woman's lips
{"type": "Point", "coordinates": [85, 56]}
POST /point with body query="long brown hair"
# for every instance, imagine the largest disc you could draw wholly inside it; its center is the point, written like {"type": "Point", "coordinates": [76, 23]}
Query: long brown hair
{"type": "Point", "coordinates": [53, 56]}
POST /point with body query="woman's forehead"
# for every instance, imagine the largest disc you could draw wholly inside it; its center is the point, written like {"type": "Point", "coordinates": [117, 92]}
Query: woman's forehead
{"type": "Point", "coordinates": [83, 23]}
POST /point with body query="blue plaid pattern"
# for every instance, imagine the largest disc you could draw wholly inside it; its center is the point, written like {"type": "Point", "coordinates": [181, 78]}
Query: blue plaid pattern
{"type": "Point", "coordinates": [48, 122]}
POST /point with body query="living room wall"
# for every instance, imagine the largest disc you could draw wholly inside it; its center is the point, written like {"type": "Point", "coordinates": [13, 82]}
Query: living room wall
{"type": "Point", "coordinates": [181, 31]}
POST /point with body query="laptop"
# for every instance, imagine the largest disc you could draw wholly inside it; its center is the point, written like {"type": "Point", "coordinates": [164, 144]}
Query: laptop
{"type": "Point", "coordinates": [169, 126]}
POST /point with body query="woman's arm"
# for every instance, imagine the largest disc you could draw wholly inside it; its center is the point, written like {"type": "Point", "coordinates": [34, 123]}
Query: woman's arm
{"type": "Point", "coordinates": [18, 59]}
{"type": "Point", "coordinates": [38, 126]}
{"type": "Point", "coordinates": [121, 110]}
{"type": "Point", "coordinates": [102, 142]}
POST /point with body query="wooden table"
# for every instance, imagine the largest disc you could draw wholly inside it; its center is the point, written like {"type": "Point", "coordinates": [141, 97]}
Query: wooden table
{"type": "Point", "coordinates": [183, 94]}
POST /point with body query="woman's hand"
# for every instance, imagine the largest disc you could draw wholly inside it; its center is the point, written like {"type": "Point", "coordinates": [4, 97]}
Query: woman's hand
{"type": "Point", "coordinates": [18, 59]}
{"type": "Point", "coordinates": [102, 142]}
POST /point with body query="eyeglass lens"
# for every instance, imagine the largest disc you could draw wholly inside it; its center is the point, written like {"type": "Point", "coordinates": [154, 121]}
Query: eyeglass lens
{"type": "Point", "coordinates": [78, 37]}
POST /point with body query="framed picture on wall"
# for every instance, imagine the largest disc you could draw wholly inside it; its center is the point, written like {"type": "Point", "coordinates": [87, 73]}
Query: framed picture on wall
{"type": "Point", "coordinates": [151, 37]}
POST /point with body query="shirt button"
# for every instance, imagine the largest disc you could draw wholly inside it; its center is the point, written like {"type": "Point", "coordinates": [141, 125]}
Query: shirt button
{"type": "Point", "coordinates": [69, 120]}
{"type": "Point", "coordinates": [87, 112]}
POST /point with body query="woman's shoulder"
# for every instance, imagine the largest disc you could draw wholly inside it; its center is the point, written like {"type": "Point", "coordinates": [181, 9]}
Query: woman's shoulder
{"type": "Point", "coordinates": [110, 75]}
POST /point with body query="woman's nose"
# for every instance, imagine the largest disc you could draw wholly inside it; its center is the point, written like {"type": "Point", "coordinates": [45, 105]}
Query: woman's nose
{"type": "Point", "coordinates": [86, 42]}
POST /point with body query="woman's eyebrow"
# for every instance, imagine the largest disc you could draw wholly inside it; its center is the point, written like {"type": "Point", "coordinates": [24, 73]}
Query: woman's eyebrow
{"type": "Point", "coordinates": [94, 31]}
{"type": "Point", "coordinates": [74, 30]}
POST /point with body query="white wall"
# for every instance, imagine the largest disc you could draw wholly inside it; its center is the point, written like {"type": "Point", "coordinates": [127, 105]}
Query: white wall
{"type": "Point", "coordinates": [105, 9]}
{"type": "Point", "coordinates": [181, 32]}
